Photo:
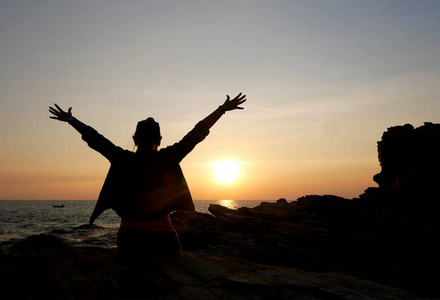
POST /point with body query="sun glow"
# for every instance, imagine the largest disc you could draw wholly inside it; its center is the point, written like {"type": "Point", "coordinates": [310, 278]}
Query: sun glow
{"type": "Point", "coordinates": [226, 171]}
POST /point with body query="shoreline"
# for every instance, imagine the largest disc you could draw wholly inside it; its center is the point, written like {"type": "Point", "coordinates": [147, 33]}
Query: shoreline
{"type": "Point", "coordinates": [21, 218]}
{"type": "Point", "coordinates": [363, 238]}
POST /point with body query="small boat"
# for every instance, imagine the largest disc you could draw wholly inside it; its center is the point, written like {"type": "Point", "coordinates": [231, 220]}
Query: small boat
{"type": "Point", "coordinates": [58, 205]}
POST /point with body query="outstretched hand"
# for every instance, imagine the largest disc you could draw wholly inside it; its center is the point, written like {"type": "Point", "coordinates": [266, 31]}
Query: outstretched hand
{"type": "Point", "coordinates": [234, 103]}
{"type": "Point", "coordinates": [60, 114]}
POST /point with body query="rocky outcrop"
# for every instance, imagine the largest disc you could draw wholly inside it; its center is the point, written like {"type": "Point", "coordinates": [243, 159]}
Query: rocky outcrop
{"type": "Point", "coordinates": [373, 237]}
{"type": "Point", "coordinates": [51, 271]}
{"type": "Point", "coordinates": [410, 158]}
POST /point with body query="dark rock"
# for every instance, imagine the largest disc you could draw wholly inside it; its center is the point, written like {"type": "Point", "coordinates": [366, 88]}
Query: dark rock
{"type": "Point", "coordinates": [409, 158]}
{"type": "Point", "coordinates": [196, 233]}
{"type": "Point", "coordinates": [78, 273]}
{"type": "Point", "coordinates": [376, 236]}
{"type": "Point", "coordinates": [69, 273]}
{"type": "Point", "coordinates": [281, 201]}
{"type": "Point", "coordinates": [36, 243]}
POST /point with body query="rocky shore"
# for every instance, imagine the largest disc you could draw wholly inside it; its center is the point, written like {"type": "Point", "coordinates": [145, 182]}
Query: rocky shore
{"type": "Point", "coordinates": [317, 247]}
{"type": "Point", "coordinates": [47, 267]}
{"type": "Point", "coordinates": [382, 245]}
{"type": "Point", "coordinates": [328, 234]}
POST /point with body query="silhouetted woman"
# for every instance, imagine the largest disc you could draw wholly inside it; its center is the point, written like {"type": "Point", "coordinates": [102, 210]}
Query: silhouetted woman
{"type": "Point", "coordinates": [145, 186]}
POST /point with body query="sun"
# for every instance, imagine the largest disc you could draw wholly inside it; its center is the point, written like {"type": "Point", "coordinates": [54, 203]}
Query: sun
{"type": "Point", "coordinates": [226, 171]}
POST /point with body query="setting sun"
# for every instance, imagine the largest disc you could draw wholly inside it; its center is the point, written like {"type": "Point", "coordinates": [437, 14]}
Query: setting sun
{"type": "Point", "coordinates": [226, 171]}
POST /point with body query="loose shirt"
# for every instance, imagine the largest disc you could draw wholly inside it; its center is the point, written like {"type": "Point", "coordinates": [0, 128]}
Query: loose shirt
{"type": "Point", "coordinates": [144, 185]}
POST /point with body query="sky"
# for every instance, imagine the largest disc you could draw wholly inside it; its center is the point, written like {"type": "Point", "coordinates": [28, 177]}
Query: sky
{"type": "Point", "coordinates": [323, 79]}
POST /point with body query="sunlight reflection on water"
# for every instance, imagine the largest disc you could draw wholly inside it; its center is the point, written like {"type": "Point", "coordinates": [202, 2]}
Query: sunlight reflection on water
{"type": "Point", "coordinates": [203, 205]}
{"type": "Point", "coordinates": [228, 203]}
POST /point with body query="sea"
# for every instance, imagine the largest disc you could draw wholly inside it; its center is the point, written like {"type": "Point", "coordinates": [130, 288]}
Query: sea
{"type": "Point", "coordinates": [69, 220]}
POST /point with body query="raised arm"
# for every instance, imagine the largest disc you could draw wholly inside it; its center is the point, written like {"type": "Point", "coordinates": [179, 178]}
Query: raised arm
{"type": "Point", "coordinates": [228, 105]}
{"type": "Point", "coordinates": [61, 115]}
{"type": "Point", "coordinates": [95, 140]}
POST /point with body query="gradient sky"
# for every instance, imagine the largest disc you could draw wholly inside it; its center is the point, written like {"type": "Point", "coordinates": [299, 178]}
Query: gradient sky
{"type": "Point", "coordinates": [324, 80]}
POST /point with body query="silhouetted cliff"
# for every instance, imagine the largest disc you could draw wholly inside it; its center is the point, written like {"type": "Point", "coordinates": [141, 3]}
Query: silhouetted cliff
{"type": "Point", "coordinates": [410, 158]}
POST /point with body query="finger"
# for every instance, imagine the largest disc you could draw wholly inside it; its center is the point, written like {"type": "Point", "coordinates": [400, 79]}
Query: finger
{"type": "Point", "coordinates": [53, 111]}
{"type": "Point", "coordinates": [238, 107]}
{"type": "Point", "coordinates": [227, 98]}
{"type": "Point", "coordinates": [70, 111]}
{"type": "Point", "coordinates": [54, 118]}
{"type": "Point", "coordinates": [59, 108]}
{"type": "Point", "coordinates": [241, 102]}
{"type": "Point", "coordinates": [238, 96]}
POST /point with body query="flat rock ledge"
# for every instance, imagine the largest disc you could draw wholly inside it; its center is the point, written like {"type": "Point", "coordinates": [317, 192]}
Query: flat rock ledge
{"type": "Point", "coordinates": [64, 272]}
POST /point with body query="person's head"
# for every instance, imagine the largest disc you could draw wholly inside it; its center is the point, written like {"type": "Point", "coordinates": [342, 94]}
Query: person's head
{"type": "Point", "coordinates": [147, 135]}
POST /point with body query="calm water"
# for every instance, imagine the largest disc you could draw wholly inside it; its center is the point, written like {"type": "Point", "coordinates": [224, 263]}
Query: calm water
{"type": "Point", "coordinates": [21, 218]}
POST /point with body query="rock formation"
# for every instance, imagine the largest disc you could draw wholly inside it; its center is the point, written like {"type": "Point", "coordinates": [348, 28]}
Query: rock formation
{"type": "Point", "coordinates": [410, 158]}
{"type": "Point", "coordinates": [326, 234]}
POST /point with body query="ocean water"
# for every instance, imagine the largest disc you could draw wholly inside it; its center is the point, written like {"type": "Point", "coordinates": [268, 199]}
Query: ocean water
{"type": "Point", "coordinates": [22, 218]}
